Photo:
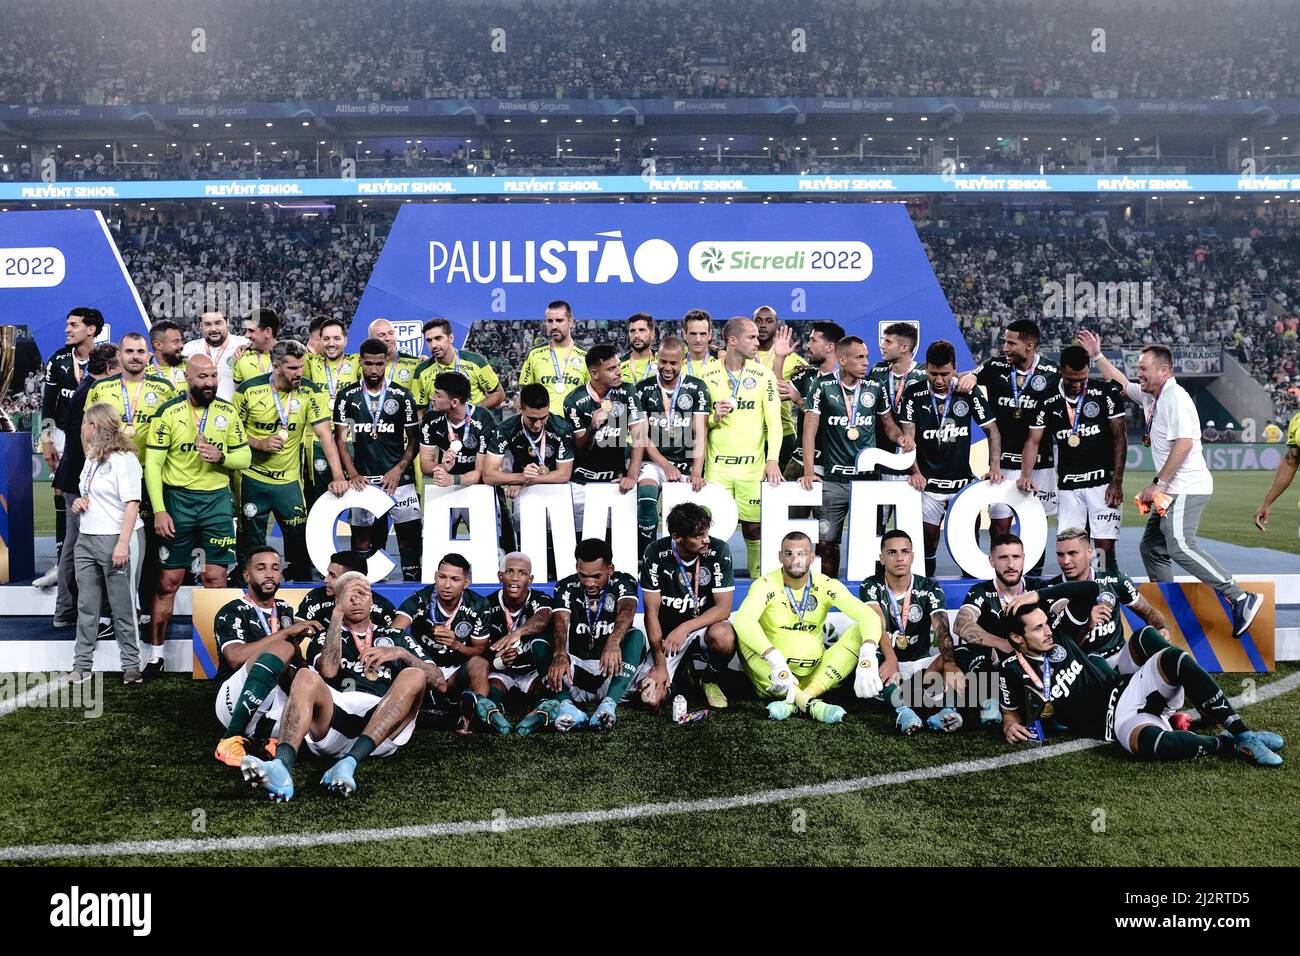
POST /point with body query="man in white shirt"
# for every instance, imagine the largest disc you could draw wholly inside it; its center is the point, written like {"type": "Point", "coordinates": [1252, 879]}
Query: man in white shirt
{"type": "Point", "coordinates": [1173, 431]}
{"type": "Point", "coordinates": [219, 345]}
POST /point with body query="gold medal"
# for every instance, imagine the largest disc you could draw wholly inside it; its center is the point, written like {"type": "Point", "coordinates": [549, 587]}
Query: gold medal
{"type": "Point", "coordinates": [901, 640]}
{"type": "Point", "coordinates": [606, 405]}
{"type": "Point", "coordinates": [1146, 440]}
{"type": "Point", "coordinates": [543, 470]}
{"type": "Point", "coordinates": [1049, 709]}
{"type": "Point", "coordinates": [128, 431]}
{"type": "Point", "coordinates": [1073, 441]}
{"type": "Point", "coordinates": [453, 449]}
{"type": "Point", "coordinates": [371, 673]}
{"type": "Point", "coordinates": [853, 433]}
{"type": "Point", "coordinates": [284, 434]}
{"type": "Point", "coordinates": [1017, 413]}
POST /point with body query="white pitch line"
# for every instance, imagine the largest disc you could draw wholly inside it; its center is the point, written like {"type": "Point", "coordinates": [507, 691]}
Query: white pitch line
{"type": "Point", "coordinates": [36, 693]}
{"type": "Point", "coordinates": [55, 851]}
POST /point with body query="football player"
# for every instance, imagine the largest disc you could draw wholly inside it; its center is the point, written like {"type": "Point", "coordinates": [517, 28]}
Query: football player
{"type": "Point", "coordinates": [519, 619]}
{"type": "Point", "coordinates": [560, 365]}
{"type": "Point", "coordinates": [640, 362]}
{"type": "Point", "coordinates": [605, 419]}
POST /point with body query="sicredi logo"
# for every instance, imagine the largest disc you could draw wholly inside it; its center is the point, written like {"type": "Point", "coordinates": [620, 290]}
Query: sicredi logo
{"type": "Point", "coordinates": [602, 259]}
{"type": "Point", "coordinates": [779, 261]}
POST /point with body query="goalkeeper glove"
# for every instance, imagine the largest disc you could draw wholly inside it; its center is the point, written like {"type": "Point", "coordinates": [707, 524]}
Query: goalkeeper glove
{"type": "Point", "coordinates": [781, 681]}
{"type": "Point", "coordinates": [866, 677]}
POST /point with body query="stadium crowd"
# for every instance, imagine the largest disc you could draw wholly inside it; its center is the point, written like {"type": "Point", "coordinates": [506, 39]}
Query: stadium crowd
{"type": "Point", "coordinates": [143, 51]}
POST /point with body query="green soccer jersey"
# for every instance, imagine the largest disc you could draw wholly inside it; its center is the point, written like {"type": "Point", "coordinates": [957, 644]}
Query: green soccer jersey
{"type": "Point", "coordinates": [840, 434]}
{"type": "Point", "coordinates": [518, 448]}
{"type": "Point", "coordinates": [943, 434]}
{"type": "Point", "coordinates": [377, 423]}
{"type": "Point", "coordinates": [894, 386]}
{"type": "Point", "coordinates": [265, 411]}
{"type": "Point", "coordinates": [402, 371]}
{"type": "Point", "coordinates": [685, 588]}
{"type": "Point", "coordinates": [637, 370]}
{"type": "Point", "coordinates": [437, 431]}
{"type": "Point", "coordinates": [251, 364]}
{"type": "Point", "coordinates": [989, 602]}
{"type": "Point", "coordinates": [592, 617]}
{"type": "Point", "coordinates": [1065, 686]}
{"type": "Point", "coordinates": [501, 620]}
{"type": "Point", "coordinates": [137, 403]}
{"type": "Point", "coordinates": [909, 616]}
{"type": "Point", "coordinates": [605, 459]}
{"type": "Point", "coordinates": [331, 376]}
{"type": "Point", "coordinates": [63, 373]}
{"type": "Point", "coordinates": [1014, 398]}
{"type": "Point", "coordinates": [175, 429]}
{"type": "Point", "coordinates": [351, 674]}
{"type": "Point", "coordinates": [559, 371]}
{"type": "Point", "coordinates": [242, 622]}
{"type": "Point", "coordinates": [174, 374]}
{"type": "Point", "coordinates": [468, 621]}
{"type": "Point", "coordinates": [482, 377]}
{"type": "Point", "coordinates": [751, 434]}
{"type": "Point", "coordinates": [1106, 638]}
{"type": "Point", "coordinates": [318, 606]}
{"type": "Point", "coordinates": [670, 420]}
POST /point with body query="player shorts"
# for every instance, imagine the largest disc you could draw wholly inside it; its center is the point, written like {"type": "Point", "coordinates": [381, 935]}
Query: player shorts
{"type": "Point", "coordinates": [267, 717]}
{"type": "Point", "coordinates": [203, 520]}
{"type": "Point", "coordinates": [835, 508]}
{"type": "Point", "coordinates": [406, 507]}
{"type": "Point", "coordinates": [352, 709]}
{"type": "Point", "coordinates": [588, 686]}
{"type": "Point", "coordinates": [514, 678]}
{"type": "Point", "coordinates": [934, 505]}
{"type": "Point", "coordinates": [694, 641]}
{"type": "Point", "coordinates": [1044, 491]}
{"type": "Point", "coordinates": [1087, 508]}
{"type": "Point", "coordinates": [743, 486]}
{"type": "Point", "coordinates": [907, 669]}
{"type": "Point", "coordinates": [1134, 709]}
{"type": "Point", "coordinates": [652, 472]}
{"type": "Point", "coordinates": [258, 500]}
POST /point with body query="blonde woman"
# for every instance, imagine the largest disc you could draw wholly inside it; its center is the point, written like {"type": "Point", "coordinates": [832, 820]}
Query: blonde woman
{"type": "Point", "coordinates": [111, 544]}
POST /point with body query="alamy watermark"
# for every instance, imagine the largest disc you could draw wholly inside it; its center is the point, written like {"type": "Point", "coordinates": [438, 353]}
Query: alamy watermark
{"type": "Point", "coordinates": [53, 689]}
{"type": "Point", "coordinates": [1078, 298]}
{"type": "Point", "coordinates": [178, 298]}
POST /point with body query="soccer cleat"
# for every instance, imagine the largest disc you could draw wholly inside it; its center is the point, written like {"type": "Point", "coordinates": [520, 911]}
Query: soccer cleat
{"type": "Point", "coordinates": [947, 720]}
{"type": "Point", "coordinates": [825, 713]}
{"type": "Point", "coordinates": [490, 714]}
{"type": "Point", "coordinates": [153, 669]}
{"type": "Point", "coordinates": [780, 709]}
{"type": "Point", "coordinates": [1272, 741]}
{"type": "Point", "coordinates": [230, 750]}
{"type": "Point", "coordinates": [1251, 749]}
{"type": "Point", "coordinates": [569, 717]}
{"type": "Point", "coordinates": [604, 717]}
{"type": "Point", "coordinates": [990, 713]}
{"type": "Point", "coordinates": [341, 777]}
{"type": "Point", "coordinates": [907, 721]}
{"type": "Point", "coordinates": [714, 696]}
{"type": "Point", "coordinates": [468, 709]}
{"type": "Point", "coordinates": [543, 715]}
{"type": "Point", "coordinates": [271, 775]}
{"type": "Point", "coordinates": [1244, 610]}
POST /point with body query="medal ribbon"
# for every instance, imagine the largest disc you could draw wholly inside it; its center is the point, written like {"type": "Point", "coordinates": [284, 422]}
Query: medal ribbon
{"type": "Point", "coordinates": [200, 424]}
{"type": "Point", "coordinates": [505, 611]}
{"type": "Point", "coordinates": [555, 362]}
{"type": "Point", "coordinates": [374, 407]}
{"type": "Point", "coordinates": [90, 479]}
{"type": "Point", "coordinates": [900, 616]}
{"type": "Point", "coordinates": [464, 427]}
{"type": "Point", "coordinates": [690, 365]}
{"type": "Point", "coordinates": [934, 406]}
{"type": "Point", "coordinates": [280, 412]}
{"type": "Point", "coordinates": [538, 446]}
{"type": "Point", "coordinates": [803, 605]}
{"type": "Point", "coordinates": [128, 406]}
{"type": "Point", "coordinates": [850, 404]}
{"type": "Point", "coordinates": [1146, 434]}
{"type": "Point", "coordinates": [1018, 390]}
{"type": "Point", "coordinates": [270, 621]}
{"type": "Point", "coordinates": [586, 609]}
{"type": "Point", "coordinates": [366, 642]}
{"type": "Point", "coordinates": [670, 401]}
{"type": "Point", "coordinates": [1075, 415]}
{"type": "Point", "coordinates": [735, 380]}
{"type": "Point", "coordinates": [691, 584]}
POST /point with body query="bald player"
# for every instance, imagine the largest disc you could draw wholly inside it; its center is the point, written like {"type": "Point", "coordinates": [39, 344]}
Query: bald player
{"type": "Point", "coordinates": [402, 369]}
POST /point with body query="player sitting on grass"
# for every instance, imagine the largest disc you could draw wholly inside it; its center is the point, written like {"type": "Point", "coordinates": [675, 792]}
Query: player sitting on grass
{"type": "Point", "coordinates": [779, 629]}
{"type": "Point", "coordinates": [1049, 682]}
{"type": "Point", "coordinates": [915, 621]}
{"type": "Point", "coordinates": [359, 698]}
{"type": "Point", "coordinates": [257, 638]}
{"type": "Point", "coordinates": [597, 650]}
{"type": "Point", "coordinates": [318, 604]}
{"type": "Point", "coordinates": [518, 621]}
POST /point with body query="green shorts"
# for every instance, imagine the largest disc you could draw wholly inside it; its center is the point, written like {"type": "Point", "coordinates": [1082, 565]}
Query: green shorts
{"type": "Point", "coordinates": [204, 522]}
{"type": "Point", "coordinates": [258, 500]}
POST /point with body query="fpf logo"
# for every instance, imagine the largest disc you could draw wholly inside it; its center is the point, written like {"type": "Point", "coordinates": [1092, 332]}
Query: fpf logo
{"type": "Point", "coordinates": [410, 337]}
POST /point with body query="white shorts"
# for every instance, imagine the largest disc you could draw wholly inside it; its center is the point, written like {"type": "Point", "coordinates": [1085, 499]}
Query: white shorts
{"type": "Point", "coordinates": [934, 506]}
{"type": "Point", "coordinates": [651, 472]}
{"type": "Point", "coordinates": [406, 507]}
{"type": "Point", "coordinates": [581, 696]}
{"type": "Point", "coordinates": [1130, 713]}
{"type": "Point", "coordinates": [1087, 508]}
{"type": "Point", "coordinates": [514, 678]}
{"type": "Point", "coordinates": [1044, 491]}
{"type": "Point", "coordinates": [271, 711]}
{"type": "Point", "coordinates": [908, 669]}
{"type": "Point", "coordinates": [359, 704]}
{"type": "Point", "coordinates": [674, 661]}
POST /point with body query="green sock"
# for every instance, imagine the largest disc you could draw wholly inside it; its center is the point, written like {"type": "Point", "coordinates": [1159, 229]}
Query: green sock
{"type": "Point", "coordinates": [752, 561]}
{"type": "Point", "coordinates": [633, 651]}
{"type": "Point", "coordinates": [1157, 744]}
{"type": "Point", "coordinates": [647, 515]}
{"type": "Point", "coordinates": [286, 754]}
{"type": "Point", "coordinates": [894, 696]}
{"type": "Point", "coordinates": [263, 674]}
{"type": "Point", "coordinates": [496, 694]}
{"type": "Point", "coordinates": [1181, 668]}
{"type": "Point", "coordinates": [361, 748]}
{"type": "Point", "coordinates": [542, 656]}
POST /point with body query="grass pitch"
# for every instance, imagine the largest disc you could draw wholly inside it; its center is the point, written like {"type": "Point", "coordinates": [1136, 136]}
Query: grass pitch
{"type": "Point", "coordinates": [144, 771]}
